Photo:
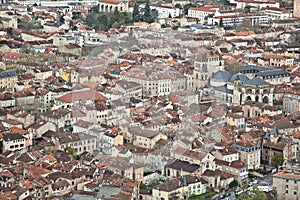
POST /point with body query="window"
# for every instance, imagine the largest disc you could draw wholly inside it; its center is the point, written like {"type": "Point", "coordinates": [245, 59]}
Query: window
{"type": "Point", "coordinates": [295, 192]}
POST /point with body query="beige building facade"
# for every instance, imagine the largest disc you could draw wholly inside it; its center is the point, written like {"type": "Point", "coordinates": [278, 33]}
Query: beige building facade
{"type": "Point", "coordinates": [287, 184]}
{"type": "Point", "coordinates": [296, 12]}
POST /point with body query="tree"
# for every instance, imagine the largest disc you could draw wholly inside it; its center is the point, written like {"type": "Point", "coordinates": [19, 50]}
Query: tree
{"type": "Point", "coordinates": [257, 195]}
{"type": "Point", "coordinates": [221, 23]}
{"type": "Point", "coordinates": [76, 15]}
{"type": "Point", "coordinates": [95, 9]}
{"type": "Point", "coordinates": [71, 151]}
{"type": "Point", "coordinates": [247, 9]}
{"type": "Point", "coordinates": [115, 25]}
{"type": "Point", "coordinates": [234, 183]}
{"type": "Point", "coordinates": [147, 11]}
{"type": "Point", "coordinates": [62, 19]}
{"type": "Point", "coordinates": [136, 13]}
{"type": "Point", "coordinates": [277, 160]}
{"type": "Point", "coordinates": [187, 7]}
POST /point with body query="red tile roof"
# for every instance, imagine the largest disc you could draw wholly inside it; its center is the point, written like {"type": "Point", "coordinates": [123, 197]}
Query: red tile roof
{"type": "Point", "coordinates": [81, 95]}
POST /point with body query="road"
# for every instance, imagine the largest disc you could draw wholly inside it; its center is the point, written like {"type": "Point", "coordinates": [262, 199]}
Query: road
{"type": "Point", "coordinates": [268, 179]}
{"type": "Point", "coordinates": [231, 197]}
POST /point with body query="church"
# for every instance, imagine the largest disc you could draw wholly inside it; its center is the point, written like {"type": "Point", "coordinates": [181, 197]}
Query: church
{"type": "Point", "coordinates": [244, 86]}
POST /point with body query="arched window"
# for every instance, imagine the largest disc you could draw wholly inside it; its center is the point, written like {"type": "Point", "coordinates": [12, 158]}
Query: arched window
{"type": "Point", "coordinates": [248, 98]}
{"type": "Point", "coordinates": [266, 99]}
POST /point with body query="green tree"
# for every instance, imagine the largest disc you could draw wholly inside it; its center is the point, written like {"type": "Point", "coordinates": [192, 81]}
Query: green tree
{"type": "Point", "coordinates": [71, 151]}
{"type": "Point", "coordinates": [257, 195]}
{"type": "Point", "coordinates": [76, 15]}
{"type": "Point", "coordinates": [4, 42]}
{"type": "Point", "coordinates": [234, 183]}
{"type": "Point", "coordinates": [147, 11]}
{"type": "Point", "coordinates": [221, 23]}
{"type": "Point", "coordinates": [187, 7]}
{"type": "Point", "coordinates": [115, 25]}
{"type": "Point", "coordinates": [62, 19]}
{"type": "Point", "coordinates": [95, 9]}
{"type": "Point", "coordinates": [136, 13]}
{"type": "Point", "coordinates": [277, 160]}
{"type": "Point", "coordinates": [105, 21]}
{"type": "Point", "coordinates": [101, 22]}
{"type": "Point", "coordinates": [247, 9]}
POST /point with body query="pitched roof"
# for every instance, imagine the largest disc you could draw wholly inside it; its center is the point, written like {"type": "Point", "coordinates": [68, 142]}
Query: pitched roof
{"type": "Point", "coordinates": [81, 95]}
{"type": "Point", "coordinates": [143, 132]}
{"type": "Point", "coordinates": [256, 82]}
{"type": "Point", "coordinates": [183, 165]}
{"type": "Point", "coordinates": [13, 136]}
{"type": "Point", "coordinates": [176, 183]}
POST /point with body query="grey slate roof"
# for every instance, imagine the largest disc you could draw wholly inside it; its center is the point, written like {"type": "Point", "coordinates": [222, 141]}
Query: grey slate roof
{"type": "Point", "coordinates": [223, 88]}
{"type": "Point", "coordinates": [183, 165]}
{"type": "Point", "coordinates": [13, 136]}
{"type": "Point", "coordinates": [143, 132]}
{"type": "Point", "coordinates": [275, 72]}
{"type": "Point", "coordinates": [238, 76]}
{"type": "Point", "coordinates": [263, 71]}
{"type": "Point", "coordinates": [256, 81]}
{"type": "Point", "coordinates": [221, 75]}
{"type": "Point", "coordinates": [7, 74]}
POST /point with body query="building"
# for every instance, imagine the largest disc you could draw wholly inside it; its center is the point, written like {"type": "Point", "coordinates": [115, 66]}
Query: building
{"type": "Point", "coordinates": [226, 154]}
{"type": "Point", "coordinates": [236, 120]}
{"type": "Point", "coordinates": [109, 140]}
{"type": "Point", "coordinates": [252, 109]}
{"type": "Point", "coordinates": [238, 19]}
{"type": "Point", "coordinates": [177, 168]}
{"type": "Point", "coordinates": [277, 13]}
{"type": "Point", "coordinates": [182, 187]}
{"type": "Point", "coordinates": [129, 89]}
{"type": "Point", "coordinates": [60, 117]}
{"type": "Point", "coordinates": [155, 83]}
{"type": "Point", "coordinates": [80, 142]}
{"type": "Point", "coordinates": [206, 63]}
{"type": "Point", "coordinates": [275, 60]}
{"type": "Point", "coordinates": [269, 74]}
{"type": "Point", "coordinates": [296, 12]}
{"type": "Point", "coordinates": [112, 5]}
{"type": "Point", "coordinates": [201, 13]}
{"type": "Point", "coordinates": [13, 142]}
{"type": "Point", "coordinates": [145, 138]}
{"type": "Point", "coordinates": [255, 89]}
{"type": "Point", "coordinates": [274, 143]}
{"type": "Point", "coordinates": [236, 168]}
{"type": "Point", "coordinates": [287, 184]}
{"type": "Point", "coordinates": [239, 88]}
{"type": "Point", "coordinates": [291, 101]}
{"type": "Point", "coordinates": [8, 79]}
{"type": "Point", "coordinates": [255, 3]}
{"type": "Point", "coordinates": [7, 100]}
{"type": "Point", "coordinates": [249, 153]}
{"type": "Point", "coordinates": [79, 98]}
{"type": "Point", "coordinates": [164, 11]}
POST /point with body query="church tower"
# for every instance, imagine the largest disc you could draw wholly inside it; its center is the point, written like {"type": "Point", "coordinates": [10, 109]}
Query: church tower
{"type": "Point", "coordinates": [237, 92]}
